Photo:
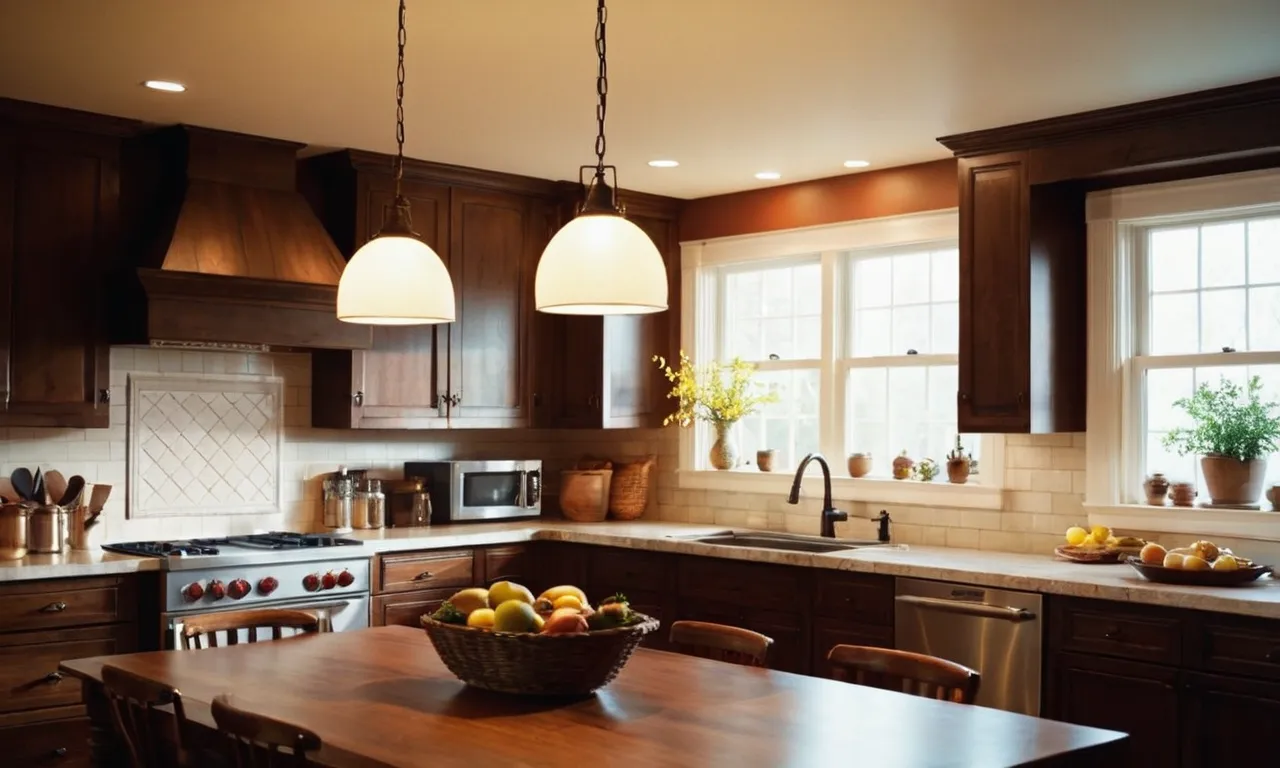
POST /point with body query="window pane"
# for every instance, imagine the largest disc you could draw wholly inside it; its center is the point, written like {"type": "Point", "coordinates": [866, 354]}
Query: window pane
{"type": "Point", "coordinates": [742, 339]}
{"type": "Point", "coordinates": [1264, 317]}
{"type": "Point", "coordinates": [1222, 254]}
{"type": "Point", "coordinates": [1164, 386]}
{"type": "Point", "coordinates": [872, 282]}
{"type": "Point", "coordinates": [777, 293]}
{"type": "Point", "coordinates": [910, 330]}
{"type": "Point", "coordinates": [946, 329]}
{"type": "Point", "coordinates": [911, 278]}
{"type": "Point", "coordinates": [1222, 320]}
{"type": "Point", "coordinates": [871, 329]}
{"type": "Point", "coordinates": [1174, 324]}
{"type": "Point", "coordinates": [808, 338]}
{"type": "Point", "coordinates": [920, 287]}
{"type": "Point", "coordinates": [946, 275]}
{"type": "Point", "coordinates": [1174, 259]}
{"type": "Point", "coordinates": [910, 408]}
{"type": "Point", "coordinates": [777, 334]}
{"type": "Point", "coordinates": [1264, 251]}
{"type": "Point", "coordinates": [789, 426]}
{"type": "Point", "coordinates": [773, 310]}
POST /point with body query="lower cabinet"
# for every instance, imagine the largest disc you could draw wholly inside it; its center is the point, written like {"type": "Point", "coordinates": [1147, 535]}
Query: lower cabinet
{"type": "Point", "coordinates": [409, 584]}
{"type": "Point", "coordinates": [405, 608]}
{"type": "Point", "coordinates": [1120, 695]}
{"type": "Point", "coordinates": [36, 743]}
{"type": "Point", "coordinates": [828, 633]}
{"type": "Point", "coordinates": [790, 649]}
{"type": "Point", "coordinates": [1229, 720]}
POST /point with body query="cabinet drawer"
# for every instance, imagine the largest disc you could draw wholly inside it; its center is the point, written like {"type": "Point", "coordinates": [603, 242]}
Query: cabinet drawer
{"type": "Point", "coordinates": [29, 676]}
{"type": "Point", "coordinates": [408, 571]}
{"type": "Point", "coordinates": [857, 598]}
{"type": "Point", "coordinates": [767, 587]}
{"type": "Point", "coordinates": [1243, 647]}
{"type": "Point", "coordinates": [67, 602]}
{"type": "Point", "coordinates": [405, 609]}
{"type": "Point", "coordinates": [626, 570]}
{"type": "Point", "coordinates": [505, 564]}
{"type": "Point", "coordinates": [1121, 631]}
{"type": "Point", "coordinates": [60, 743]}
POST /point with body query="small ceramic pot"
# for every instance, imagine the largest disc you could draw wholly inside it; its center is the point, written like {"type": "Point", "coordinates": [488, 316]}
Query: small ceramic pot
{"type": "Point", "coordinates": [1183, 494]}
{"type": "Point", "coordinates": [764, 459]}
{"type": "Point", "coordinates": [1273, 496]}
{"type": "Point", "coordinates": [859, 464]}
{"type": "Point", "coordinates": [958, 470]}
{"type": "Point", "coordinates": [902, 466]}
{"type": "Point", "coordinates": [1156, 488]}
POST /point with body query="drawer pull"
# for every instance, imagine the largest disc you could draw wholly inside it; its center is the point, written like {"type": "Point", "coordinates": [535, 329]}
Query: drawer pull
{"type": "Point", "coordinates": [57, 607]}
{"type": "Point", "coordinates": [53, 678]}
{"type": "Point", "coordinates": [1273, 656]}
{"type": "Point", "coordinates": [1113, 634]}
{"type": "Point", "coordinates": [422, 576]}
{"type": "Point", "coordinates": [60, 752]}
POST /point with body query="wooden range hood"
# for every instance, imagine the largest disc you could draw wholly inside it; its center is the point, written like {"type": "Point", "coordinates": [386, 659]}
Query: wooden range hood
{"type": "Point", "coordinates": [222, 249]}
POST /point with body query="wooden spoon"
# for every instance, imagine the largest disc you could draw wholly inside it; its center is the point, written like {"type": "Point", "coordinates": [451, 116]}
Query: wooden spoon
{"type": "Point", "coordinates": [23, 483]}
{"type": "Point", "coordinates": [70, 496]}
{"type": "Point", "coordinates": [7, 491]}
{"type": "Point", "coordinates": [56, 485]}
{"type": "Point", "coordinates": [98, 499]}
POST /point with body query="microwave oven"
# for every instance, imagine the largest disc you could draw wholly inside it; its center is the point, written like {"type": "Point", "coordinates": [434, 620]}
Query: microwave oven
{"type": "Point", "coordinates": [475, 491]}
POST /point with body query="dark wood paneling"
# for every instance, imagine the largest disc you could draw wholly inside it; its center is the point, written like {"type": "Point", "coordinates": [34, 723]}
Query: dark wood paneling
{"type": "Point", "coordinates": [430, 569]}
{"type": "Point", "coordinates": [1229, 720]}
{"type": "Point", "coordinates": [1057, 302]}
{"type": "Point", "coordinates": [828, 633]}
{"type": "Point", "coordinates": [513, 563]}
{"type": "Point", "coordinates": [405, 609]}
{"type": "Point", "coordinates": [45, 744]}
{"type": "Point", "coordinates": [863, 598]}
{"type": "Point", "coordinates": [1110, 629]}
{"type": "Point", "coordinates": [54, 603]}
{"type": "Point", "coordinates": [1128, 696]}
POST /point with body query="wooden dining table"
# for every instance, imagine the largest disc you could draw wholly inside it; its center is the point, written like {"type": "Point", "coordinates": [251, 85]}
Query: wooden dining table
{"type": "Point", "coordinates": [382, 697]}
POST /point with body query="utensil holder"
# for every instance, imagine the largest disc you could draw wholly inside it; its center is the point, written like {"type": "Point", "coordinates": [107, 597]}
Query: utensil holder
{"type": "Point", "coordinates": [47, 530]}
{"type": "Point", "coordinates": [77, 533]}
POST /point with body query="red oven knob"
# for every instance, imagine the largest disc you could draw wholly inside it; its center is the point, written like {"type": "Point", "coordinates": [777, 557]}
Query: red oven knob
{"type": "Point", "coordinates": [193, 592]}
{"type": "Point", "coordinates": [329, 581]}
{"type": "Point", "coordinates": [345, 579]}
{"type": "Point", "coordinates": [216, 590]}
{"type": "Point", "coordinates": [267, 585]}
{"type": "Point", "coordinates": [238, 589]}
{"type": "Point", "coordinates": [311, 582]}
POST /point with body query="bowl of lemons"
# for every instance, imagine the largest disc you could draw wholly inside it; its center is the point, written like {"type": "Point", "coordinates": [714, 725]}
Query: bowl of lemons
{"type": "Point", "coordinates": [1203, 564]}
{"type": "Point", "coordinates": [505, 639]}
{"type": "Point", "coordinates": [1097, 545]}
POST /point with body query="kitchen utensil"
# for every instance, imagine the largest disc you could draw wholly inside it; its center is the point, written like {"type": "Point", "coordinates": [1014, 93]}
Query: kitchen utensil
{"type": "Point", "coordinates": [70, 496]}
{"type": "Point", "coordinates": [7, 491]}
{"type": "Point", "coordinates": [92, 520]}
{"type": "Point", "coordinates": [98, 499]}
{"type": "Point", "coordinates": [1209, 578]}
{"type": "Point", "coordinates": [47, 529]}
{"type": "Point", "coordinates": [56, 486]}
{"type": "Point", "coordinates": [13, 531]}
{"type": "Point", "coordinates": [78, 528]}
{"type": "Point", "coordinates": [37, 488]}
{"type": "Point", "coordinates": [23, 483]}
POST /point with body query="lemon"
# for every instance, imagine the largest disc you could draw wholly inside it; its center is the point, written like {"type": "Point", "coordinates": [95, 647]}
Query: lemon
{"type": "Point", "coordinates": [502, 591]}
{"type": "Point", "coordinates": [481, 617]}
{"type": "Point", "coordinates": [555, 593]}
{"type": "Point", "coordinates": [1076, 535]}
{"type": "Point", "coordinates": [568, 601]}
{"type": "Point", "coordinates": [1226, 563]}
{"type": "Point", "coordinates": [1173, 560]}
{"type": "Point", "coordinates": [538, 623]}
{"type": "Point", "coordinates": [1101, 533]}
{"type": "Point", "coordinates": [515, 616]}
{"type": "Point", "coordinates": [469, 600]}
{"type": "Point", "coordinates": [1194, 563]}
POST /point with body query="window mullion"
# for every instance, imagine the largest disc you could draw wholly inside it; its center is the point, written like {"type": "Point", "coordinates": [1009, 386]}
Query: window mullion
{"type": "Point", "coordinates": [830, 403]}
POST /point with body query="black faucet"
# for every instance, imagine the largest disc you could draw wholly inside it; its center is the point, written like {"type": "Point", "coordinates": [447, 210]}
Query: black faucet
{"type": "Point", "coordinates": [830, 515]}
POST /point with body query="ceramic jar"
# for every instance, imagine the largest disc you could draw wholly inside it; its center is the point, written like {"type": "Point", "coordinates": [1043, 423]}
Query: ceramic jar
{"type": "Point", "coordinates": [902, 466]}
{"type": "Point", "coordinates": [958, 470]}
{"type": "Point", "coordinates": [1183, 494]}
{"type": "Point", "coordinates": [859, 464]}
{"type": "Point", "coordinates": [1156, 488]}
{"type": "Point", "coordinates": [1273, 496]}
{"type": "Point", "coordinates": [764, 459]}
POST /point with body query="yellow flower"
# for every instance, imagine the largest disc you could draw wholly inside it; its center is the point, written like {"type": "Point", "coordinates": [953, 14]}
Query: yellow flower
{"type": "Point", "coordinates": [715, 393]}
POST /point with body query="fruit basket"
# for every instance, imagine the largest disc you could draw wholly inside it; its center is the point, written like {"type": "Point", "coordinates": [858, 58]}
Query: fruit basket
{"type": "Point", "coordinates": [1209, 578]}
{"type": "Point", "coordinates": [536, 664]}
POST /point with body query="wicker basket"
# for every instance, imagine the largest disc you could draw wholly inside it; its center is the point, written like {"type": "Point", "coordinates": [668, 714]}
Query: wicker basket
{"type": "Point", "coordinates": [584, 494]}
{"type": "Point", "coordinates": [533, 664]}
{"type": "Point", "coordinates": [629, 489]}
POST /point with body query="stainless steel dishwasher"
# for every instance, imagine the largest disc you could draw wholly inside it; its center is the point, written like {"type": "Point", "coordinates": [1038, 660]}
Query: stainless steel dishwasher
{"type": "Point", "coordinates": [994, 631]}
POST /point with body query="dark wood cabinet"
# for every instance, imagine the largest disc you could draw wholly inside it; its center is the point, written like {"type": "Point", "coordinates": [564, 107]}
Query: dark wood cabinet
{"type": "Point", "coordinates": [828, 633]}
{"type": "Point", "coordinates": [1228, 720]}
{"type": "Point", "coordinates": [59, 201]}
{"type": "Point", "coordinates": [1138, 699]}
{"type": "Point", "coordinates": [790, 632]}
{"type": "Point", "coordinates": [507, 563]}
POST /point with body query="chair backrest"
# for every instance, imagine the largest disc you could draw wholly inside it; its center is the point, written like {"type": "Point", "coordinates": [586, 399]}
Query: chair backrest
{"type": "Point", "coordinates": [202, 631]}
{"type": "Point", "coordinates": [152, 738]}
{"type": "Point", "coordinates": [721, 642]}
{"type": "Point", "coordinates": [913, 673]}
{"type": "Point", "coordinates": [257, 740]}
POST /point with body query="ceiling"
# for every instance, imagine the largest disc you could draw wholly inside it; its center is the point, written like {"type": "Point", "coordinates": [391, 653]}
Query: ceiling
{"type": "Point", "coordinates": [727, 87]}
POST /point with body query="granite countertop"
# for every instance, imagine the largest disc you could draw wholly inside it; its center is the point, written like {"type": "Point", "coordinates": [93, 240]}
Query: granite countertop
{"type": "Point", "coordinates": [1001, 570]}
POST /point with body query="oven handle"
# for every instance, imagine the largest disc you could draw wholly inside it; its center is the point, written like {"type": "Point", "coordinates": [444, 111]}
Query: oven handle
{"type": "Point", "coordinates": [982, 610]}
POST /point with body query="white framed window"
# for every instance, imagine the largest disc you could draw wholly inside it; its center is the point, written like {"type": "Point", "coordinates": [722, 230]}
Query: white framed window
{"type": "Point", "coordinates": [1184, 290]}
{"type": "Point", "coordinates": [854, 327]}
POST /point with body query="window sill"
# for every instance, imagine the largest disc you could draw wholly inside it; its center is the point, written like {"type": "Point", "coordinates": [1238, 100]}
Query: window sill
{"type": "Point", "coordinates": [1194, 521]}
{"type": "Point", "coordinates": [905, 492]}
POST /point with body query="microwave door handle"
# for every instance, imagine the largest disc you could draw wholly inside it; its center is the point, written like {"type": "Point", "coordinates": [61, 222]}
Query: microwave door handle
{"type": "Point", "coordinates": [521, 492]}
{"type": "Point", "coordinates": [531, 497]}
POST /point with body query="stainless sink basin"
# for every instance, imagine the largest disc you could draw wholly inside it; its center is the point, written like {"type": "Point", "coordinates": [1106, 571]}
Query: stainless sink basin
{"type": "Point", "coordinates": [784, 541]}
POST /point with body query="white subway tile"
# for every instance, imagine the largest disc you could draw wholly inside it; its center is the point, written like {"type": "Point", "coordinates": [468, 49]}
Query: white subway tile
{"type": "Point", "coordinates": [1052, 480]}
{"type": "Point", "coordinates": [1029, 457]}
{"type": "Point", "coordinates": [170, 361]}
{"type": "Point", "coordinates": [1003, 541]}
{"type": "Point", "coordinates": [1056, 440]}
{"type": "Point", "coordinates": [1068, 458]}
{"type": "Point", "coordinates": [1028, 501]}
{"type": "Point", "coordinates": [1069, 504]}
{"type": "Point", "coordinates": [1017, 521]}
{"type": "Point", "coordinates": [1018, 479]}
{"type": "Point", "coordinates": [733, 518]}
{"type": "Point", "coordinates": [193, 362]}
{"type": "Point", "coordinates": [146, 361]}
{"type": "Point", "coordinates": [1078, 481]}
{"type": "Point", "coordinates": [967, 538]}
{"type": "Point", "coordinates": [980, 518]}
{"type": "Point", "coordinates": [935, 537]}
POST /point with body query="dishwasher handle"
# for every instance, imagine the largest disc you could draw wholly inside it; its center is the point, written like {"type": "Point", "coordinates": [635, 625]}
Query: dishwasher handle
{"type": "Point", "coordinates": [982, 610]}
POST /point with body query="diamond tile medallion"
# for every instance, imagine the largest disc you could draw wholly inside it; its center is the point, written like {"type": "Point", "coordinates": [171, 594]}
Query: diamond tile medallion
{"type": "Point", "coordinates": [208, 444]}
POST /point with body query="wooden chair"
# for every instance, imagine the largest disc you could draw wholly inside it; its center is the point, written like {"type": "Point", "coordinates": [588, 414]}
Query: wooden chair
{"type": "Point", "coordinates": [913, 673]}
{"type": "Point", "coordinates": [252, 622]}
{"type": "Point", "coordinates": [258, 740]}
{"type": "Point", "coordinates": [152, 737]}
{"type": "Point", "coordinates": [721, 643]}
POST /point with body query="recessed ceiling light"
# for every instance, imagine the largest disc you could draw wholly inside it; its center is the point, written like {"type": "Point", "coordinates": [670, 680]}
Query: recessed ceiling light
{"type": "Point", "coordinates": [165, 85]}
{"type": "Point", "coordinates": [664, 163]}
{"type": "Point", "coordinates": [856, 163]}
{"type": "Point", "coordinates": [768, 175]}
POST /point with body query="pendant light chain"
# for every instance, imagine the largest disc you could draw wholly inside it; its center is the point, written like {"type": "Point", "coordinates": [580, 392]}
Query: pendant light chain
{"type": "Point", "coordinates": [399, 161]}
{"type": "Point", "coordinates": [602, 86]}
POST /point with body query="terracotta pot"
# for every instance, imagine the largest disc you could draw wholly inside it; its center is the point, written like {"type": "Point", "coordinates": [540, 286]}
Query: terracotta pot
{"type": "Point", "coordinates": [958, 470]}
{"type": "Point", "coordinates": [724, 454]}
{"type": "Point", "coordinates": [1156, 488]}
{"type": "Point", "coordinates": [1273, 496]}
{"type": "Point", "coordinates": [1232, 481]}
{"type": "Point", "coordinates": [902, 467]}
{"type": "Point", "coordinates": [764, 460]}
{"type": "Point", "coordinates": [1183, 494]}
{"type": "Point", "coordinates": [859, 464]}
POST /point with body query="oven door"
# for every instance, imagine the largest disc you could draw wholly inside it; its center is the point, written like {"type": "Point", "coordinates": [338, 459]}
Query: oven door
{"type": "Point", "coordinates": [495, 490]}
{"type": "Point", "coordinates": [340, 615]}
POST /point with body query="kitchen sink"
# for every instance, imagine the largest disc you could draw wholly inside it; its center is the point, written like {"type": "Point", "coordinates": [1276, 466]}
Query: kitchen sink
{"type": "Point", "coordinates": [784, 541]}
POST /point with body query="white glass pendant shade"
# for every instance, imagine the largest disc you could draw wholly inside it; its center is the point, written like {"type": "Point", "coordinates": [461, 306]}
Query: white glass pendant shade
{"type": "Point", "coordinates": [601, 264]}
{"type": "Point", "coordinates": [395, 280]}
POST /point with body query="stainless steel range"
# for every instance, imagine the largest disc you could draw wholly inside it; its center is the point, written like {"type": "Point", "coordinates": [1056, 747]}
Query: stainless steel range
{"type": "Point", "coordinates": [323, 574]}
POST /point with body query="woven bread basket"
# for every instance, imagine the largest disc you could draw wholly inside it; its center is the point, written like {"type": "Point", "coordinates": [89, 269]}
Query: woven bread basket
{"type": "Point", "coordinates": [584, 494]}
{"type": "Point", "coordinates": [532, 664]}
{"type": "Point", "coordinates": [629, 488]}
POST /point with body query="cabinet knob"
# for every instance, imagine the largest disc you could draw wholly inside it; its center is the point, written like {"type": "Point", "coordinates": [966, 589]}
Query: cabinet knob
{"type": "Point", "coordinates": [53, 677]}
{"type": "Point", "coordinates": [1273, 656]}
{"type": "Point", "coordinates": [1022, 398]}
{"type": "Point", "coordinates": [1115, 633]}
{"type": "Point", "coordinates": [104, 396]}
{"type": "Point", "coordinates": [537, 399]}
{"type": "Point", "coordinates": [963, 397]}
{"type": "Point", "coordinates": [60, 752]}
{"type": "Point", "coordinates": [422, 576]}
{"type": "Point", "coordinates": [57, 607]}
{"type": "Point", "coordinates": [358, 399]}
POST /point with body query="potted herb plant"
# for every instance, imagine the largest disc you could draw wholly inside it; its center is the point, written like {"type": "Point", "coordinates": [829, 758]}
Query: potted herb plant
{"type": "Point", "coordinates": [1233, 432]}
{"type": "Point", "coordinates": [958, 464]}
{"type": "Point", "coordinates": [717, 394]}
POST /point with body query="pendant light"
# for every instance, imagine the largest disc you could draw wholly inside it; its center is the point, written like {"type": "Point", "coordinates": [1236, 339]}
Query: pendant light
{"type": "Point", "coordinates": [600, 263]}
{"type": "Point", "coordinates": [395, 278]}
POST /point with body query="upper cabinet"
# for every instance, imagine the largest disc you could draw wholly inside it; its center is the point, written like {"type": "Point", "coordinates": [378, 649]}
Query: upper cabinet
{"type": "Point", "coordinates": [59, 200]}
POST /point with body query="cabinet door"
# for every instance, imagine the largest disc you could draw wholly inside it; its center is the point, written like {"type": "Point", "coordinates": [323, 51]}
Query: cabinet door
{"type": "Point", "coordinates": [492, 259]}
{"type": "Point", "coordinates": [1229, 720]}
{"type": "Point", "coordinates": [557, 563]}
{"type": "Point", "coordinates": [995, 318]}
{"type": "Point", "coordinates": [1138, 699]}
{"type": "Point", "coordinates": [828, 633]}
{"type": "Point", "coordinates": [405, 609]}
{"type": "Point", "coordinates": [58, 212]}
{"type": "Point", "coordinates": [504, 564]}
{"type": "Point", "coordinates": [396, 384]}
{"type": "Point", "coordinates": [573, 373]}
